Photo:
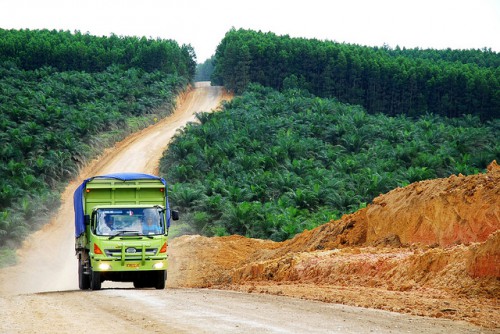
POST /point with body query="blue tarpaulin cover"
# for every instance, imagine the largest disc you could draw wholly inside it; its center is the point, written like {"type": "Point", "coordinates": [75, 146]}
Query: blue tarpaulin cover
{"type": "Point", "coordinates": [78, 196]}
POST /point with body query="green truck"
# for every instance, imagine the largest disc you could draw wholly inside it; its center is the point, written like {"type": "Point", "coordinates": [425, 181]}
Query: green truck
{"type": "Point", "coordinates": [121, 230]}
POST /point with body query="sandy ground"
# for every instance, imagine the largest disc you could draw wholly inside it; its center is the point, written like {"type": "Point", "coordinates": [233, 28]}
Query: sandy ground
{"type": "Point", "coordinates": [330, 265]}
{"type": "Point", "coordinates": [191, 311]}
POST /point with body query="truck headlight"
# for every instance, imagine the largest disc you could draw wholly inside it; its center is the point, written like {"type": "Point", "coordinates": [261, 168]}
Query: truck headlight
{"type": "Point", "coordinates": [104, 266]}
{"type": "Point", "coordinates": [158, 265]}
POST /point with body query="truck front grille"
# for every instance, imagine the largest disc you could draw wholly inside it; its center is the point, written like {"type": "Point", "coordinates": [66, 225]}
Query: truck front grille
{"type": "Point", "coordinates": [130, 253]}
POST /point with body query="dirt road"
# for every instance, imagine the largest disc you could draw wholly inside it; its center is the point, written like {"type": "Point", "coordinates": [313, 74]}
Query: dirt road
{"type": "Point", "coordinates": [46, 260]}
{"type": "Point", "coordinates": [201, 311]}
{"type": "Point", "coordinates": [40, 294]}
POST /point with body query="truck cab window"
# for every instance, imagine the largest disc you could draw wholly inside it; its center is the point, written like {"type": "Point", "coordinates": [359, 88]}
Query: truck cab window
{"type": "Point", "coordinates": [105, 224]}
{"type": "Point", "coordinates": [152, 222]}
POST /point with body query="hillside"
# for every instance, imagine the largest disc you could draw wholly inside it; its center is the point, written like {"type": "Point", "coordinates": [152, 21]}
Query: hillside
{"type": "Point", "coordinates": [271, 164]}
{"type": "Point", "coordinates": [64, 98]}
{"type": "Point", "coordinates": [431, 248]}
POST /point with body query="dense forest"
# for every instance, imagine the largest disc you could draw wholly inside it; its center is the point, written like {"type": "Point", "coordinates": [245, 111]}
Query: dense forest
{"type": "Point", "coordinates": [272, 164]}
{"type": "Point", "coordinates": [66, 51]}
{"type": "Point", "coordinates": [63, 98]}
{"type": "Point", "coordinates": [413, 82]}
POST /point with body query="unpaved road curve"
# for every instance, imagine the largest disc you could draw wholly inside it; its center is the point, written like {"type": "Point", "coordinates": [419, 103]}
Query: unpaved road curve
{"type": "Point", "coordinates": [40, 294]}
{"type": "Point", "coordinates": [47, 258]}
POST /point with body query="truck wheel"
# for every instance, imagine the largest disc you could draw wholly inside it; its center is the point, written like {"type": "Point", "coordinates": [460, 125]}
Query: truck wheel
{"type": "Point", "coordinates": [95, 280]}
{"type": "Point", "coordinates": [83, 280]}
{"type": "Point", "coordinates": [139, 283]}
{"type": "Point", "coordinates": [161, 277]}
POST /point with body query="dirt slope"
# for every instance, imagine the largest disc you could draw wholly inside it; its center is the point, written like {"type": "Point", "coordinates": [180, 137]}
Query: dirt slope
{"type": "Point", "coordinates": [432, 248]}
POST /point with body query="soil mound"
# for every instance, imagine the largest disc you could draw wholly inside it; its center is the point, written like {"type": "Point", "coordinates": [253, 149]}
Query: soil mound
{"type": "Point", "coordinates": [431, 248]}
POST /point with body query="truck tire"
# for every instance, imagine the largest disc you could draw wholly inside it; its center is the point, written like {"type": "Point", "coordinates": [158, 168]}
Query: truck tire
{"type": "Point", "coordinates": [95, 280]}
{"type": "Point", "coordinates": [139, 283]}
{"type": "Point", "coordinates": [83, 280]}
{"type": "Point", "coordinates": [161, 278]}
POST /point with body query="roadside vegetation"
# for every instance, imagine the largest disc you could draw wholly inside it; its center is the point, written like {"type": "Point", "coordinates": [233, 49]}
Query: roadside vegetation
{"type": "Point", "coordinates": [272, 164]}
{"type": "Point", "coordinates": [63, 98]}
{"type": "Point", "coordinates": [322, 128]}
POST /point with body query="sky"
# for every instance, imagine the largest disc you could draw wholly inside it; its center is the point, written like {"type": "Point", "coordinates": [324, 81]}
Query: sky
{"type": "Point", "coordinates": [438, 24]}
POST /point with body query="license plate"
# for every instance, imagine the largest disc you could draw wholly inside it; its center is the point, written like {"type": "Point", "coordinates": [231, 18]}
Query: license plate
{"type": "Point", "coordinates": [133, 265]}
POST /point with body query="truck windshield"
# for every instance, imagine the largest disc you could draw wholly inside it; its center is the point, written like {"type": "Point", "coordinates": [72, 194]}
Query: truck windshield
{"type": "Point", "coordinates": [141, 221]}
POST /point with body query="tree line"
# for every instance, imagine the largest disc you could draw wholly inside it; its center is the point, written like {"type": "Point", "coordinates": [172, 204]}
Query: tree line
{"type": "Point", "coordinates": [66, 51]}
{"type": "Point", "coordinates": [413, 82]}
{"type": "Point", "coordinates": [272, 164]}
{"type": "Point", "coordinates": [56, 117]}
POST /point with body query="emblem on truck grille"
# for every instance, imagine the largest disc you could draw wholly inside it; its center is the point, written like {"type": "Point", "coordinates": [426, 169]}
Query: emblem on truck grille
{"type": "Point", "coordinates": [130, 250]}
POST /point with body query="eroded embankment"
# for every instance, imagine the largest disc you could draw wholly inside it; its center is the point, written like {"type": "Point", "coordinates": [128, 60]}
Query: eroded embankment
{"type": "Point", "coordinates": [433, 241]}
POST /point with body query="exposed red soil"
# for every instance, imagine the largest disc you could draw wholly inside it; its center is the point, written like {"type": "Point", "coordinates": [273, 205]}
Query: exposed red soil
{"type": "Point", "coordinates": [431, 248]}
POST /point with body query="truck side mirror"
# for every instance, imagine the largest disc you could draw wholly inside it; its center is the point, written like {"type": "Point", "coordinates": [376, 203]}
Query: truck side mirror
{"type": "Point", "coordinates": [86, 219]}
{"type": "Point", "coordinates": [174, 215]}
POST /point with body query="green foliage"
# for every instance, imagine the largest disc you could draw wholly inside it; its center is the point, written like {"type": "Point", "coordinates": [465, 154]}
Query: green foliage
{"type": "Point", "coordinates": [414, 82]}
{"type": "Point", "coordinates": [54, 119]}
{"type": "Point", "coordinates": [66, 51]}
{"type": "Point", "coordinates": [204, 70]}
{"type": "Point", "coordinates": [273, 164]}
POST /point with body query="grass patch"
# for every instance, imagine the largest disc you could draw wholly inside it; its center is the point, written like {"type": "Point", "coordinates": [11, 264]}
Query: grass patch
{"type": "Point", "coordinates": [8, 257]}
